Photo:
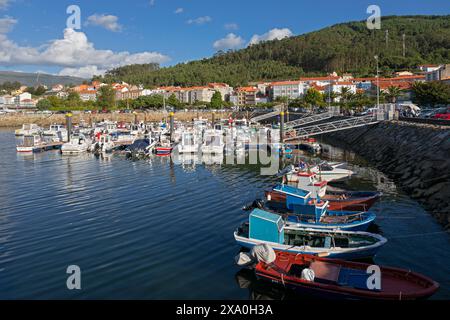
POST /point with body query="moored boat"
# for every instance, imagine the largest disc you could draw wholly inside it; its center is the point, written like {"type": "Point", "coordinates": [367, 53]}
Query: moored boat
{"type": "Point", "coordinates": [270, 228]}
{"type": "Point", "coordinates": [322, 277]}
{"type": "Point", "coordinates": [338, 200]}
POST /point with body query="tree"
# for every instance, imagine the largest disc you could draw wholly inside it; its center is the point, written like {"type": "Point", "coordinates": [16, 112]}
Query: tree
{"type": "Point", "coordinates": [173, 101]}
{"type": "Point", "coordinates": [216, 100]}
{"type": "Point", "coordinates": [313, 98]}
{"type": "Point", "coordinates": [106, 98]}
{"type": "Point", "coordinates": [392, 93]}
{"type": "Point", "coordinates": [431, 93]}
{"type": "Point", "coordinates": [44, 104]}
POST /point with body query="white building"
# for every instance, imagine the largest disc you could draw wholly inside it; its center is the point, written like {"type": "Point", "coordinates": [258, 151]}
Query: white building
{"type": "Point", "coordinates": [22, 97]}
{"type": "Point", "coordinates": [289, 89]}
{"type": "Point", "coordinates": [338, 86]}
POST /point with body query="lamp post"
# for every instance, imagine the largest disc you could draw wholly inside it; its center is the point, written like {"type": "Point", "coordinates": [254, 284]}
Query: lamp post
{"type": "Point", "coordinates": [378, 84]}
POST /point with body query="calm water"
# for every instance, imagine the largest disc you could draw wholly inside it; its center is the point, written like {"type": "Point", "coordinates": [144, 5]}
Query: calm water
{"type": "Point", "coordinates": [157, 229]}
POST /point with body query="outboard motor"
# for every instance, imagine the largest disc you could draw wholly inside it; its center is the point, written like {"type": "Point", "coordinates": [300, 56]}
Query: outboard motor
{"type": "Point", "coordinates": [286, 170]}
{"type": "Point", "coordinates": [257, 204]}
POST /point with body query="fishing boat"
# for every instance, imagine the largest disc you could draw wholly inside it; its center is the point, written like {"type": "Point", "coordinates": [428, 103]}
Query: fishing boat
{"type": "Point", "coordinates": [103, 144]}
{"type": "Point", "coordinates": [78, 144]}
{"type": "Point", "coordinates": [310, 145]}
{"type": "Point", "coordinates": [28, 129]}
{"type": "Point", "coordinates": [35, 143]}
{"type": "Point", "coordinates": [270, 228]}
{"type": "Point", "coordinates": [189, 143]}
{"type": "Point", "coordinates": [141, 147]}
{"type": "Point", "coordinates": [301, 210]}
{"type": "Point", "coordinates": [57, 131]}
{"type": "Point", "coordinates": [338, 279]}
{"type": "Point", "coordinates": [164, 147]}
{"type": "Point", "coordinates": [213, 142]}
{"type": "Point", "coordinates": [324, 171]}
{"type": "Point", "coordinates": [338, 200]}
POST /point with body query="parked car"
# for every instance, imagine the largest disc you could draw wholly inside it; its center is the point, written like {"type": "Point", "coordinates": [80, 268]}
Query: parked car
{"type": "Point", "coordinates": [444, 115]}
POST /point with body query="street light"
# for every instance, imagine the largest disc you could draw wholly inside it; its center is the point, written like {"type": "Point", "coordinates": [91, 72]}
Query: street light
{"type": "Point", "coordinates": [378, 84]}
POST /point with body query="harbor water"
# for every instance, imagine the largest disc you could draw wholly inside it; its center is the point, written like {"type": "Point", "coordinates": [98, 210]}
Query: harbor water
{"type": "Point", "coordinates": [162, 228]}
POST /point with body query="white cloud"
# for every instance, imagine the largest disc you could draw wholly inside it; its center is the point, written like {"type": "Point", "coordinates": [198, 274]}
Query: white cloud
{"type": "Point", "coordinates": [200, 20]}
{"type": "Point", "coordinates": [6, 24]}
{"type": "Point", "coordinates": [152, 3]}
{"type": "Point", "coordinates": [179, 10]}
{"type": "Point", "coordinates": [83, 72]}
{"type": "Point", "coordinates": [4, 4]}
{"type": "Point", "coordinates": [74, 53]}
{"type": "Point", "coordinates": [108, 22]}
{"type": "Point", "coordinates": [271, 35]}
{"type": "Point", "coordinates": [231, 26]}
{"type": "Point", "coordinates": [231, 41]}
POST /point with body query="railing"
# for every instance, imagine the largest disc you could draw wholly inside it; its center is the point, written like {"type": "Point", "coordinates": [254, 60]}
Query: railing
{"type": "Point", "coordinates": [308, 119]}
{"type": "Point", "coordinates": [332, 126]}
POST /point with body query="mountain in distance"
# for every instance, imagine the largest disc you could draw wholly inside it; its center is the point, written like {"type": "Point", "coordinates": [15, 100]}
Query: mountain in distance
{"type": "Point", "coordinates": [345, 47]}
{"type": "Point", "coordinates": [34, 79]}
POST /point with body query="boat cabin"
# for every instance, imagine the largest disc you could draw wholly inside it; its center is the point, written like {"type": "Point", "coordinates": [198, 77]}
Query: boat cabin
{"type": "Point", "coordinates": [266, 226]}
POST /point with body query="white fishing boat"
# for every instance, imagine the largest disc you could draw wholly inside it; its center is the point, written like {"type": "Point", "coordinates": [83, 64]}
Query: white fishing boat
{"type": "Point", "coordinates": [213, 142]}
{"type": "Point", "coordinates": [57, 131]}
{"type": "Point", "coordinates": [78, 144]}
{"type": "Point", "coordinates": [189, 143]}
{"type": "Point", "coordinates": [103, 144]}
{"type": "Point", "coordinates": [35, 143]}
{"type": "Point", "coordinates": [28, 129]}
{"type": "Point", "coordinates": [324, 172]}
{"type": "Point", "coordinates": [332, 172]}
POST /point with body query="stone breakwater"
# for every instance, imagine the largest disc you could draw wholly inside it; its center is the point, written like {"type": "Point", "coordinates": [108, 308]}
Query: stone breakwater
{"type": "Point", "coordinates": [16, 120]}
{"type": "Point", "coordinates": [416, 156]}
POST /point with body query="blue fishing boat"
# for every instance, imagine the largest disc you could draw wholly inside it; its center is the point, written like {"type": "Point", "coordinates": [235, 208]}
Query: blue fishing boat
{"type": "Point", "coordinates": [272, 229]}
{"type": "Point", "coordinates": [304, 211]}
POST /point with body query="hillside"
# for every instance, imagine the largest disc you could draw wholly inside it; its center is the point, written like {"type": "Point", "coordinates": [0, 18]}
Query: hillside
{"type": "Point", "coordinates": [346, 47]}
{"type": "Point", "coordinates": [30, 79]}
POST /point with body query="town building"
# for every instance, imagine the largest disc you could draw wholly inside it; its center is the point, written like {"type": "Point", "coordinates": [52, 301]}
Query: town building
{"type": "Point", "coordinates": [443, 72]}
{"type": "Point", "coordinates": [246, 96]}
{"type": "Point", "coordinates": [287, 89]}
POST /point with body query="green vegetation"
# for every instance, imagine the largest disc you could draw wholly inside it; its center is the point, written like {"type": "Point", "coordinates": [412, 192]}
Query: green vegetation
{"type": "Point", "coordinates": [431, 93]}
{"type": "Point", "coordinates": [106, 99]}
{"type": "Point", "coordinates": [10, 86]}
{"type": "Point", "coordinates": [346, 47]}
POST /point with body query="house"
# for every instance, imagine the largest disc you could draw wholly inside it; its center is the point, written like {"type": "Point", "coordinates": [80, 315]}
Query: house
{"type": "Point", "coordinates": [443, 72]}
{"type": "Point", "coordinates": [323, 81]}
{"type": "Point", "coordinates": [337, 88]}
{"type": "Point", "coordinates": [22, 97]}
{"type": "Point", "coordinates": [88, 95]}
{"type": "Point", "coordinates": [385, 84]}
{"type": "Point", "coordinates": [246, 96]}
{"type": "Point", "coordinates": [287, 89]}
{"type": "Point", "coordinates": [200, 94]}
{"type": "Point", "coordinates": [7, 100]}
{"type": "Point", "coordinates": [57, 88]}
{"type": "Point", "coordinates": [403, 73]}
{"type": "Point", "coordinates": [27, 103]}
{"type": "Point", "coordinates": [132, 93]}
{"type": "Point", "coordinates": [429, 67]}
{"type": "Point", "coordinates": [224, 89]}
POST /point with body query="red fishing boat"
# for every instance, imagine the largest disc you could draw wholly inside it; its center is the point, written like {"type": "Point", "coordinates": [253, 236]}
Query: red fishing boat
{"type": "Point", "coordinates": [332, 278]}
{"type": "Point", "coordinates": [338, 200]}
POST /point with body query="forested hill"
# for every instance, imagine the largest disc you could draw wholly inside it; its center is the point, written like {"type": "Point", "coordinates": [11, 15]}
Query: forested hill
{"type": "Point", "coordinates": [346, 47]}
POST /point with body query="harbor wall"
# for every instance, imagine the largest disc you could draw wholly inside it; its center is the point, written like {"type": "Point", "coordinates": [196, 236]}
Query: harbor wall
{"type": "Point", "coordinates": [16, 120]}
{"type": "Point", "coordinates": [415, 156]}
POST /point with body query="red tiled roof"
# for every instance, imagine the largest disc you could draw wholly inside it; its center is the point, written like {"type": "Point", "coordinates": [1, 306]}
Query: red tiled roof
{"type": "Point", "coordinates": [247, 89]}
{"type": "Point", "coordinates": [327, 78]}
{"type": "Point", "coordinates": [285, 83]}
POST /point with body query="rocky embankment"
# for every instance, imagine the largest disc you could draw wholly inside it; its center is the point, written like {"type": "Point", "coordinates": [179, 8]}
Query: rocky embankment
{"type": "Point", "coordinates": [416, 156]}
{"type": "Point", "coordinates": [16, 120]}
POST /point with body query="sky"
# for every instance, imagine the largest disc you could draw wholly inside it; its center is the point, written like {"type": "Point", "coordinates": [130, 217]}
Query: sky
{"type": "Point", "coordinates": [35, 35]}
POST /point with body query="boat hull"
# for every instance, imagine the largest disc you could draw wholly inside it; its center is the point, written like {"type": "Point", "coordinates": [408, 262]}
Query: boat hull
{"type": "Point", "coordinates": [338, 279]}
{"type": "Point", "coordinates": [346, 254]}
{"type": "Point", "coordinates": [354, 202]}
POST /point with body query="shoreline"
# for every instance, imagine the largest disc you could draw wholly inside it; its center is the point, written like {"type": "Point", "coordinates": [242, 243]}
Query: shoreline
{"type": "Point", "coordinates": [17, 120]}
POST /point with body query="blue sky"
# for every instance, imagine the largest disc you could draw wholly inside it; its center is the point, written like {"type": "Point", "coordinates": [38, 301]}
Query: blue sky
{"type": "Point", "coordinates": [167, 31]}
